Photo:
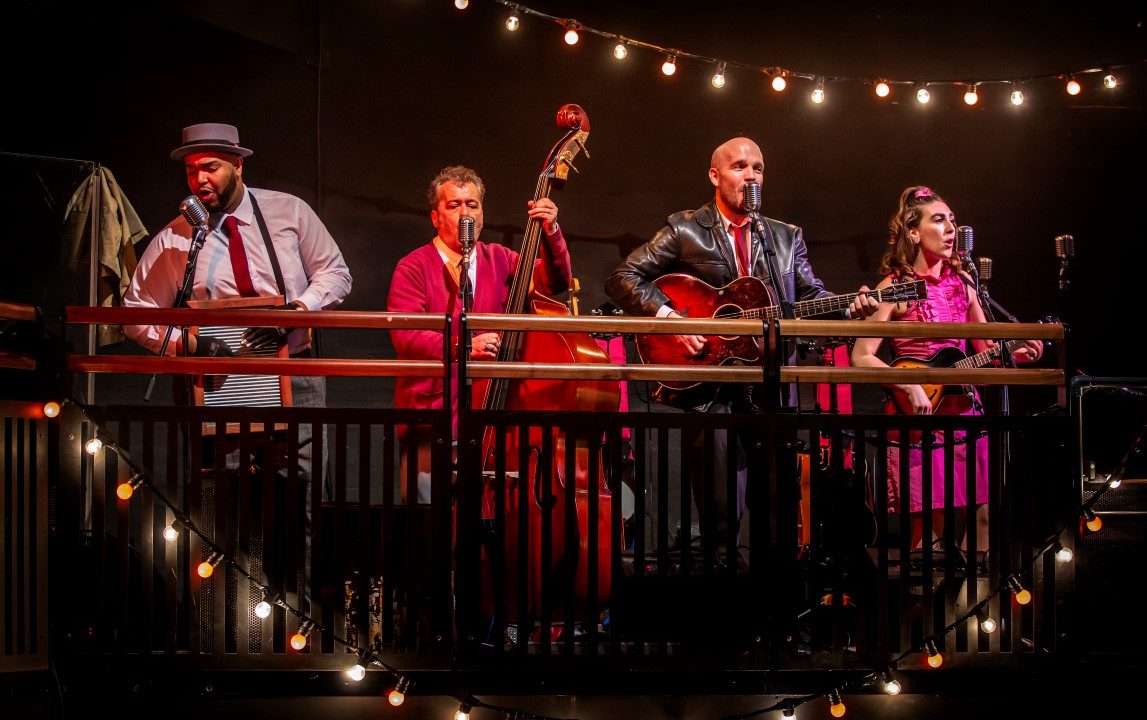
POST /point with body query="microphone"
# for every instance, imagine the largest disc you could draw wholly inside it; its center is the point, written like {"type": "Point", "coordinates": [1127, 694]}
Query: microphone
{"type": "Point", "coordinates": [466, 232]}
{"type": "Point", "coordinates": [965, 241]}
{"type": "Point", "coordinates": [752, 195]}
{"type": "Point", "coordinates": [985, 271]}
{"type": "Point", "coordinates": [196, 215]}
{"type": "Point", "coordinates": [1064, 247]}
{"type": "Point", "coordinates": [192, 209]}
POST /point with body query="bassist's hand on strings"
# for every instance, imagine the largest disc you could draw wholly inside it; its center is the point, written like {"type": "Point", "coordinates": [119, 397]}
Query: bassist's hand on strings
{"type": "Point", "coordinates": [545, 210]}
{"type": "Point", "coordinates": [484, 346]}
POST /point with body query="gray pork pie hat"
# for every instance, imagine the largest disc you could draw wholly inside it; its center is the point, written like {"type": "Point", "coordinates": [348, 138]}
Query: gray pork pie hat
{"type": "Point", "coordinates": [210, 136]}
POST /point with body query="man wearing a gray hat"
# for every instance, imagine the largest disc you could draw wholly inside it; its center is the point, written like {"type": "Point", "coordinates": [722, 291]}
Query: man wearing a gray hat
{"type": "Point", "coordinates": [259, 243]}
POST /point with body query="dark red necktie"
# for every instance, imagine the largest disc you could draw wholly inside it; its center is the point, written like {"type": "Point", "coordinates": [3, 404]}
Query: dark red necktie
{"type": "Point", "coordinates": [239, 266]}
{"type": "Point", "coordinates": [742, 250]}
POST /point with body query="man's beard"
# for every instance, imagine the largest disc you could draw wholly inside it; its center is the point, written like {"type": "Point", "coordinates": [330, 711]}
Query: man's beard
{"type": "Point", "coordinates": [223, 198]}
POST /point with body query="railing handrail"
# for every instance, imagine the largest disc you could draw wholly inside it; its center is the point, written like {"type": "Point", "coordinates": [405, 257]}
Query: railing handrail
{"type": "Point", "coordinates": [186, 317]}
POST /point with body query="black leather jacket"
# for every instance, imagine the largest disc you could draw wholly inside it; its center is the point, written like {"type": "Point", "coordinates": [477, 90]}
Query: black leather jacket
{"type": "Point", "coordinates": [694, 242]}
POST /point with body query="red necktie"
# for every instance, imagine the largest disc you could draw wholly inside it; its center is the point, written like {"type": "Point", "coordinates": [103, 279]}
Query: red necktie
{"type": "Point", "coordinates": [239, 266]}
{"type": "Point", "coordinates": [742, 250]}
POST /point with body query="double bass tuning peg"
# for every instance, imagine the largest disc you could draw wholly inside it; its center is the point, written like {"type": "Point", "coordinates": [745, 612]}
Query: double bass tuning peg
{"type": "Point", "coordinates": [581, 145]}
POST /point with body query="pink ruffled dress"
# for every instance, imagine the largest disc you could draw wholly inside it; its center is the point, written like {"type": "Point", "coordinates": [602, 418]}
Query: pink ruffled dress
{"type": "Point", "coordinates": [947, 301]}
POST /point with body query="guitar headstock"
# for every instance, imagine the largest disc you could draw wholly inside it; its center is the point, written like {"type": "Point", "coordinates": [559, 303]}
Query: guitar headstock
{"type": "Point", "coordinates": [573, 120]}
{"type": "Point", "coordinates": [905, 292]}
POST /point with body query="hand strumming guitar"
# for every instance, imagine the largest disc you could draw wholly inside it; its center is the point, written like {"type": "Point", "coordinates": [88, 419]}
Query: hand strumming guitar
{"type": "Point", "coordinates": [691, 345]}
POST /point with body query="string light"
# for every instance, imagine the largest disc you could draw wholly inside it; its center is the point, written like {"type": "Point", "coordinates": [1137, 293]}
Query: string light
{"type": "Point", "coordinates": [571, 36]}
{"type": "Point", "coordinates": [818, 91]}
{"type": "Point", "coordinates": [299, 639]}
{"type": "Point", "coordinates": [883, 86]}
{"type": "Point", "coordinates": [1062, 552]}
{"type": "Point", "coordinates": [923, 95]}
{"type": "Point", "coordinates": [397, 695]}
{"type": "Point", "coordinates": [93, 446]}
{"type": "Point", "coordinates": [670, 65]}
{"type": "Point", "coordinates": [1114, 480]}
{"type": "Point", "coordinates": [461, 4]}
{"type": "Point", "coordinates": [935, 659]}
{"type": "Point", "coordinates": [1093, 521]}
{"type": "Point", "coordinates": [127, 488]}
{"type": "Point", "coordinates": [51, 409]}
{"type": "Point", "coordinates": [891, 685]}
{"type": "Point", "coordinates": [1022, 595]}
{"type": "Point", "coordinates": [787, 710]}
{"type": "Point", "coordinates": [463, 712]}
{"type": "Point", "coordinates": [356, 672]}
{"type": "Point", "coordinates": [835, 703]}
{"type": "Point", "coordinates": [985, 620]}
{"type": "Point", "coordinates": [207, 567]}
{"type": "Point", "coordinates": [719, 76]}
{"type": "Point", "coordinates": [177, 525]}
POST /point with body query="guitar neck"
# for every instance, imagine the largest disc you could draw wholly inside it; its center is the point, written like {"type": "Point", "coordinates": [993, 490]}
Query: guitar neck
{"type": "Point", "coordinates": [983, 358]}
{"type": "Point", "coordinates": [831, 303]}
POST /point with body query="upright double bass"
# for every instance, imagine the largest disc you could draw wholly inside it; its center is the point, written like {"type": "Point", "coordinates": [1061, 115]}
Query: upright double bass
{"type": "Point", "coordinates": [564, 555]}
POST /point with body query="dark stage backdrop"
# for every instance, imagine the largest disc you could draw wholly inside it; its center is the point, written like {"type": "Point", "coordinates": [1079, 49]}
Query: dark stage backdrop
{"type": "Point", "coordinates": [355, 104]}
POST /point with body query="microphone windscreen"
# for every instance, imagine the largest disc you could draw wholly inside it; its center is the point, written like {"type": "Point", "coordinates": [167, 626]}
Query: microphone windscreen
{"type": "Point", "coordinates": [965, 240]}
{"type": "Point", "coordinates": [466, 231]}
{"type": "Point", "coordinates": [1064, 247]}
{"type": "Point", "coordinates": [985, 267]}
{"type": "Point", "coordinates": [752, 193]}
{"type": "Point", "coordinates": [192, 209]}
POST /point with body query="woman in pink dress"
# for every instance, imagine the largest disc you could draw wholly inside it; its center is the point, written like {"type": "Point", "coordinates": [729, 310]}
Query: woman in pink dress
{"type": "Point", "coordinates": [922, 236]}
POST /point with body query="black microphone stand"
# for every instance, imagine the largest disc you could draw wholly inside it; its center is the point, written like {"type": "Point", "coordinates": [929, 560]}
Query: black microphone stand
{"type": "Point", "coordinates": [466, 294]}
{"type": "Point", "coordinates": [762, 233]}
{"type": "Point", "coordinates": [197, 240]}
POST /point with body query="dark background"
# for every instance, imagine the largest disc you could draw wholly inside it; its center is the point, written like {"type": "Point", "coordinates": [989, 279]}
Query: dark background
{"type": "Point", "coordinates": [355, 104]}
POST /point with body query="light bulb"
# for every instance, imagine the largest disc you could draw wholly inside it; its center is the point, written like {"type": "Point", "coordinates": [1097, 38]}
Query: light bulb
{"type": "Point", "coordinates": [935, 659]}
{"type": "Point", "coordinates": [298, 641]}
{"type": "Point", "coordinates": [923, 96]}
{"type": "Point", "coordinates": [170, 533]}
{"type": "Point", "coordinates": [970, 96]}
{"type": "Point", "coordinates": [670, 65]}
{"type": "Point", "coordinates": [1064, 554]}
{"type": "Point", "coordinates": [1109, 81]}
{"type": "Point", "coordinates": [461, 4]}
{"type": "Point", "coordinates": [1114, 481]}
{"type": "Point", "coordinates": [1073, 87]}
{"type": "Point", "coordinates": [396, 698]}
{"type": "Point", "coordinates": [1017, 97]}
{"type": "Point", "coordinates": [513, 22]}
{"type": "Point", "coordinates": [463, 712]}
{"type": "Point", "coordinates": [836, 705]}
{"type": "Point", "coordinates": [571, 36]}
{"type": "Point", "coordinates": [205, 569]}
{"type": "Point", "coordinates": [263, 610]}
{"type": "Point", "coordinates": [891, 685]}
{"type": "Point", "coordinates": [818, 91]}
{"type": "Point", "coordinates": [882, 89]}
{"type": "Point", "coordinates": [93, 446]}
{"type": "Point", "coordinates": [719, 76]}
{"type": "Point", "coordinates": [988, 625]}
{"type": "Point", "coordinates": [51, 409]}
{"type": "Point", "coordinates": [356, 673]}
{"type": "Point", "coordinates": [1094, 522]}
{"type": "Point", "coordinates": [619, 50]}
{"type": "Point", "coordinates": [127, 488]}
{"type": "Point", "coordinates": [779, 82]}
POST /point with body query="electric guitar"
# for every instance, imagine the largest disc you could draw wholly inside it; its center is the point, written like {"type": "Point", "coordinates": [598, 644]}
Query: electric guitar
{"type": "Point", "coordinates": [746, 297]}
{"type": "Point", "coordinates": [949, 357]}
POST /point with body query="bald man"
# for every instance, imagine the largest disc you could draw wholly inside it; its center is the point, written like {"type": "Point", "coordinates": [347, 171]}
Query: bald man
{"type": "Point", "coordinates": [704, 243]}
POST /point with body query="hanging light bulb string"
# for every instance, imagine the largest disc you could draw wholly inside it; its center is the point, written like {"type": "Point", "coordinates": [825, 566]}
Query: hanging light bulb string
{"type": "Point", "coordinates": [929, 646]}
{"type": "Point", "coordinates": [307, 624]}
{"type": "Point", "coordinates": [778, 74]}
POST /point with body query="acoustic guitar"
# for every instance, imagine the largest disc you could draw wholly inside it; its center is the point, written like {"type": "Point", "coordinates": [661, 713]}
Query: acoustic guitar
{"type": "Point", "coordinates": [746, 297]}
{"type": "Point", "coordinates": [949, 357]}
